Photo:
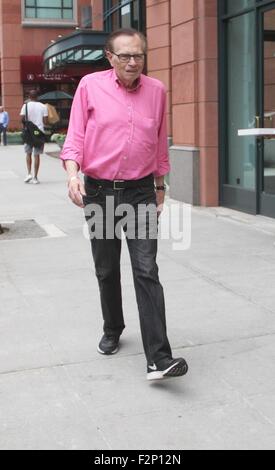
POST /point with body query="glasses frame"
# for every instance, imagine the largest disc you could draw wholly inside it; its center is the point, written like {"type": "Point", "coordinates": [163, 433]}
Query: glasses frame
{"type": "Point", "coordinates": [130, 57]}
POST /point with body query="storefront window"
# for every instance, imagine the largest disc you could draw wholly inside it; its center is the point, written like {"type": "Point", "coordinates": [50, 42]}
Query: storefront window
{"type": "Point", "coordinates": [49, 9]}
{"type": "Point", "coordinates": [247, 102]}
{"type": "Point", "coordinates": [124, 14]}
{"type": "Point", "coordinates": [241, 100]}
{"type": "Point", "coordinates": [233, 6]}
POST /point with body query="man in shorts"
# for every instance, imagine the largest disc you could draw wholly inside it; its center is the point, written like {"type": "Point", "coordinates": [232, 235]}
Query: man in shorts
{"type": "Point", "coordinates": [38, 114]}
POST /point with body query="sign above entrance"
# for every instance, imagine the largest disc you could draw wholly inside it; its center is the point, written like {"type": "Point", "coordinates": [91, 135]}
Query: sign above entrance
{"type": "Point", "coordinates": [32, 71]}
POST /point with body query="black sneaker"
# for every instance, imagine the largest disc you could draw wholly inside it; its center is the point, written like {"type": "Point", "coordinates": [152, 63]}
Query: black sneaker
{"type": "Point", "coordinates": [108, 344]}
{"type": "Point", "coordinates": [167, 368]}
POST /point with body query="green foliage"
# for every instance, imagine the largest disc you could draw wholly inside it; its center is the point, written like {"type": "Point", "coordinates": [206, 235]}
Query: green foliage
{"type": "Point", "coordinates": [58, 138]}
{"type": "Point", "coordinates": [14, 133]}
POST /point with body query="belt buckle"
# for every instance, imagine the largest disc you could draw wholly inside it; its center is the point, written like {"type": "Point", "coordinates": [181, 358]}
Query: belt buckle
{"type": "Point", "coordinates": [117, 182]}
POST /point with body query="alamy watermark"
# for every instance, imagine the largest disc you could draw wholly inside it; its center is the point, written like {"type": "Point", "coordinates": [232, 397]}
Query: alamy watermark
{"type": "Point", "coordinates": [124, 220]}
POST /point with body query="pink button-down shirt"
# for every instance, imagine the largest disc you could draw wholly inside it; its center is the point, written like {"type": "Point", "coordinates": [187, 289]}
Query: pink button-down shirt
{"type": "Point", "coordinates": [118, 134]}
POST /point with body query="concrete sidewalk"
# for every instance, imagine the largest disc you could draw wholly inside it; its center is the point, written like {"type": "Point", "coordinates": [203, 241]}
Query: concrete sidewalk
{"type": "Point", "coordinates": [57, 392]}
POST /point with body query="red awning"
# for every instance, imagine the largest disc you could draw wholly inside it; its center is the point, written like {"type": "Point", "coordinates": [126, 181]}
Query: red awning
{"type": "Point", "coordinates": [32, 71]}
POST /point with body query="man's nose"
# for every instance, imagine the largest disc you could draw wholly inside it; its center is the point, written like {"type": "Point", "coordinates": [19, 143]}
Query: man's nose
{"type": "Point", "coordinates": [132, 60]}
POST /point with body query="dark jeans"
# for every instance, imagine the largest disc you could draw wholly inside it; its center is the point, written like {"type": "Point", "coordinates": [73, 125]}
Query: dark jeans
{"type": "Point", "coordinates": [4, 130]}
{"type": "Point", "coordinates": [142, 246]}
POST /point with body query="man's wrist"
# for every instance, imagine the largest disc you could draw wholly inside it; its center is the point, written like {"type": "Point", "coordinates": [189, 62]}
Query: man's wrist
{"type": "Point", "coordinates": [161, 187]}
{"type": "Point", "coordinates": [73, 178]}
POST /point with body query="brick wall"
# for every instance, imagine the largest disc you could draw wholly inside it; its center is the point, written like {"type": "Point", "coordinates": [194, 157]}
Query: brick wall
{"type": "Point", "coordinates": [182, 39]}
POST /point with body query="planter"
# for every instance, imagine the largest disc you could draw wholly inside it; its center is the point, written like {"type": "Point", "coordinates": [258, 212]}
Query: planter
{"type": "Point", "coordinates": [59, 139]}
{"type": "Point", "coordinates": [14, 138]}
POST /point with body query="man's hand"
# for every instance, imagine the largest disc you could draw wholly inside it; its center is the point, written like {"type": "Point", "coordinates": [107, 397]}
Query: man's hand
{"type": "Point", "coordinates": [160, 196]}
{"type": "Point", "coordinates": [160, 193]}
{"type": "Point", "coordinates": [76, 190]}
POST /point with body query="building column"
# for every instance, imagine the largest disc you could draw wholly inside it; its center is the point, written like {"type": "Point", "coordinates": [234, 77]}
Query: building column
{"type": "Point", "coordinates": [159, 47]}
{"type": "Point", "coordinates": [208, 101]}
{"type": "Point", "coordinates": [97, 15]}
{"type": "Point", "coordinates": [12, 96]}
{"type": "Point", "coordinates": [194, 154]}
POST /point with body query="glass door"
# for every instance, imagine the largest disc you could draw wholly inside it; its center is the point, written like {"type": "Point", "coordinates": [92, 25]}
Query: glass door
{"type": "Point", "coordinates": [266, 146]}
{"type": "Point", "coordinates": [247, 100]}
{"type": "Point", "coordinates": [238, 109]}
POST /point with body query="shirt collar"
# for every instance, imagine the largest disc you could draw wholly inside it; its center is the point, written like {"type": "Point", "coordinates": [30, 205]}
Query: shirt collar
{"type": "Point", "coordinates": [118, 83]}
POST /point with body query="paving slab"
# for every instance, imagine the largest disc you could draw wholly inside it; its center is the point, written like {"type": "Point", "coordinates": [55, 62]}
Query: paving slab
{"type": "Point", "coordinates": [57, 392]}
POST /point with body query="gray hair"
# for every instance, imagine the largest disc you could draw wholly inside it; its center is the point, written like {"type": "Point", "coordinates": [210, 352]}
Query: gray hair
{"type": "Point", "coordinates": [124, 32]}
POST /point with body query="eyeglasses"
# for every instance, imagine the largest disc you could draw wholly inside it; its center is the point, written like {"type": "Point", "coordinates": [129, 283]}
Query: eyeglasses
{"type": "Point", "coordinates": [125, 58]}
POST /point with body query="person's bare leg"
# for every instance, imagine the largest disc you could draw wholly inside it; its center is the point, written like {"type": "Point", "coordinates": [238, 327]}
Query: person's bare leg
{"type": "Point", "coordinates": [29, 168]}
{"type": "Point", "coordinates": [36, 165]}
{"type": "Point", "coordinates": [29, 163]}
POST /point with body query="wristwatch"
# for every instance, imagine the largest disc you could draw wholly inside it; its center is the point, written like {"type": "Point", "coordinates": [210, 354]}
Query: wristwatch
{"type": "Point", "coordinates": [160, 188]}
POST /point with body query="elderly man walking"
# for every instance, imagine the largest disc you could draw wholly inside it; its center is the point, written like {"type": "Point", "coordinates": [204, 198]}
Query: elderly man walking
{"type": "Point", "coordinates": [117, 138]}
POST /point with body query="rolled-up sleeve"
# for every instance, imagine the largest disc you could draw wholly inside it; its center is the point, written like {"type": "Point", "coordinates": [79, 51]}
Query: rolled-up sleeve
{"type": "Point", "coordinates": [73, 147]}
{"type": "Point", "coordinates": [163, 164]}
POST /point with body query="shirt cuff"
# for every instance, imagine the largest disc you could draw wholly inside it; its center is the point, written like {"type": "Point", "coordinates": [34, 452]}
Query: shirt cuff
{"type": "Point", "coordinates": [162, 170]}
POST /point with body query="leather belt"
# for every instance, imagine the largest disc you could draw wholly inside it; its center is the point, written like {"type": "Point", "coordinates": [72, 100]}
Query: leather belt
{"type": "Point", "coordinates": [121, 184]}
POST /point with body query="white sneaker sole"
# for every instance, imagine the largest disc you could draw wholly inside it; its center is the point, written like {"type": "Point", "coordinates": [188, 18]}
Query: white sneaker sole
{"type": "Point", "coordinates": [164, 374]}
{"type": "Point", "coordinates": [107, 354]}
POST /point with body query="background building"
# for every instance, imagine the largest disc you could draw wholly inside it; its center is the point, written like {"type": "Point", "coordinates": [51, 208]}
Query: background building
{"type": "Point", "coordinates": [216, 58]}
{"type": "Point", "coordinates": [28, 27]}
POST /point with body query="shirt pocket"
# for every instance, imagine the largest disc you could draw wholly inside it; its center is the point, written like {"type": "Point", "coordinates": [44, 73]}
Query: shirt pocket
{"type": "Point", "coordinates": [145, 132]}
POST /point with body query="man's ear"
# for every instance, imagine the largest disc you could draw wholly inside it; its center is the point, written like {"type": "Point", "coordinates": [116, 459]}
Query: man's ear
{"type": "Point", "coordinates": [109, 56]}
